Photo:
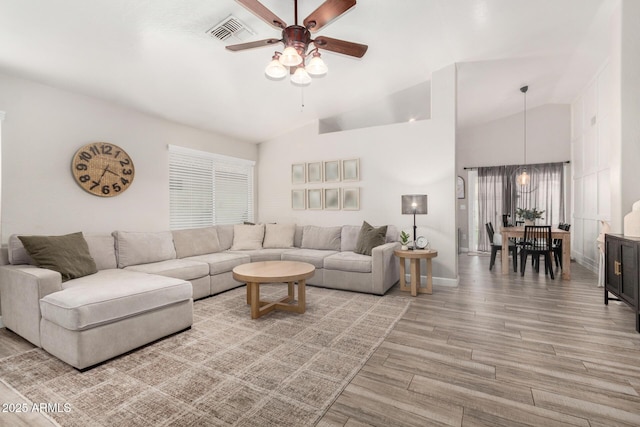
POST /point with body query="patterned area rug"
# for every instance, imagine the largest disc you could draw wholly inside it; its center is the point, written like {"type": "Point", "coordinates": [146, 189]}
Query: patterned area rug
{"type": "Point", "coordinates": [283, 369]}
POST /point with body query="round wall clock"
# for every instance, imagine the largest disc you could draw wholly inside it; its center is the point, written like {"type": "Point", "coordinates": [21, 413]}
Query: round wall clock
{"type": "Point", "coordinates": [102, 169]}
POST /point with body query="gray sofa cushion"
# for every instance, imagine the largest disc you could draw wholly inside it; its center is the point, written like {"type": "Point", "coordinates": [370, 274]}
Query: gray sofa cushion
{"type": "Point", "coordinates": [225, 236]}
{"type": "Point", "coordinates": [247, 237]}
{"type": "Point", "coordinates": [17, 253]}
{"type": "Point", "coordinates": [279, 235]}
{"type": "Point", "coordinates": [102, 249]}
{"type": "Point", "coordinates": [348, 261]}
{"type": "Point", "coordinates": [222, 262]}
{"type": "Point", "coordinates": [312, 256]}
{"type": "Point", "coordinates": [321, 238]}
{"type": "Point", "coordinates": [184, 269]}
{"type": "Point", "coordinates": [111, 295]}
{"type": "Point", "coordinates": [134, 248]}
{"type": "Point", "coordinates": [196, 241]}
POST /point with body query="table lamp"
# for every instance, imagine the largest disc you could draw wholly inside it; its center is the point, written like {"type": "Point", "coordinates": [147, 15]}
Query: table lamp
{"type": "Point", "coordinates": [415, 204]}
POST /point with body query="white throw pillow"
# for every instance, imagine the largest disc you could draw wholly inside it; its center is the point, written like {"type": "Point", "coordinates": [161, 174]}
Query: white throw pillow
{"type": "Point", "coordinates": [279, 235]}
{"type": "Point", "coordinates": [497, 239]}
{"type": "Point", "coordinates": [247, 237]}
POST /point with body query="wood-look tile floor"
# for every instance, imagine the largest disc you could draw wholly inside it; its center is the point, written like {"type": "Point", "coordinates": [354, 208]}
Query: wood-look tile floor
{"type": "Point", "coordinates": [495, 351]}
{"type": "Point", "coordinates": [502, 351]}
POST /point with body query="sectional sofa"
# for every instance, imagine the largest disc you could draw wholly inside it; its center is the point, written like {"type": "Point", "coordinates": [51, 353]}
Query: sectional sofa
{"type": "Point", "coordinates": [146, 282]}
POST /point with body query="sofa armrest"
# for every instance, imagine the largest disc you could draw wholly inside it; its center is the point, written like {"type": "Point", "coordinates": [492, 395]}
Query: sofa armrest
{"type": "Point", "coordinates": [385, 267]}
{"type": "Point", "coordinates": [21, 288]}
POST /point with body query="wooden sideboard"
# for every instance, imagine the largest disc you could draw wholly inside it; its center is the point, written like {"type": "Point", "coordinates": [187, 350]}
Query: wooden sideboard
{"type": "Point", "coordinates": [622, 274]}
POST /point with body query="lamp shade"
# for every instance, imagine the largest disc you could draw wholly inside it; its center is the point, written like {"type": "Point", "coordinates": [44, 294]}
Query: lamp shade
{"type": "Point", "coordinates": [275, 70]}
{"type": "Point", "coordinates": [290, 57]}
{"type": "Point", "coordinates": [301, 77]}
{"type": "Point", "coordinates": [316, 66]}
{"type": "Point", "coordinates": [414, 204]}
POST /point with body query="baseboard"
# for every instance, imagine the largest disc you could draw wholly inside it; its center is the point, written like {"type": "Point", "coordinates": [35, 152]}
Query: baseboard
{"type": "Point", "coordinates": [464, 250]}
{"type": "Point", "coordinates": [440, 281]}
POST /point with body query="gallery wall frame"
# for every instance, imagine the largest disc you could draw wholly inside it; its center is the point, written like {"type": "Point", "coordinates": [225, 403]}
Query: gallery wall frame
{"type": "Point", "coordinates": [298, 173]}
{"type": "Point", "coordinates": [351, 199]}
{"type": "Point", "coordinates": [332, 198]}
{"type": "Point", "coordinates": [314, 198]}
{"type": "Point", "coordinates": [351, 170]}
{"type": "Point", "coordinates": [299, 199]}
{"type": "Point", "coordinates": [314, 172]}
{"type": "Point", "coordinates": [331, 171]}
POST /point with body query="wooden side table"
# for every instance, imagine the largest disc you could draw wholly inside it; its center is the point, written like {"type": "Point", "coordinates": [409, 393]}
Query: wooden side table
{"type": "Point", "coordinates": [415, 256]}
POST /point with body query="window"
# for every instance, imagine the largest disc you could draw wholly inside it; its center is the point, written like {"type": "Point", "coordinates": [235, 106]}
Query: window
{"type": "Point", "coordinates": [207, 189]}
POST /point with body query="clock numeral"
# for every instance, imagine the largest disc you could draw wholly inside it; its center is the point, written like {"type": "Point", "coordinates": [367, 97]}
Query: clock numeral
{"type": "Point", "coordinates": [106, 149]}
{"type": "Point", "coordinates": [84, 178]}
{"type": "Point", "coordinates": [95, 184]}
{"type": "Point", "coordinates": [127, 171]}
{"type": "Point", "coordinates": [81, 167]}
{"type": "Point", "coordinates": [95, 150]}
{"type": "Point", "coordinates": [85, 156]}
{"type": "Point", "coordinates": [117, 154]}
{"type": "Point", "coordinates": [116, 187]}
{"type": "Point", "coordinates": [124, 181]}
{"type": "Point", "coordinates": [124, 162]}
{"type": "Point", "coordinates": [105, 189]}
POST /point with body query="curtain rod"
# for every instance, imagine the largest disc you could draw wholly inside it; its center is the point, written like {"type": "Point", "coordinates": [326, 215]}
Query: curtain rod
{"type": "Point", "coordinates": [467, 168]}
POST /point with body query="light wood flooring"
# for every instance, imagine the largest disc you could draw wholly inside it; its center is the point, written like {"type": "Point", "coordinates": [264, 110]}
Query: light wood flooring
{"type": "Point", "coordinates": [495, 351]}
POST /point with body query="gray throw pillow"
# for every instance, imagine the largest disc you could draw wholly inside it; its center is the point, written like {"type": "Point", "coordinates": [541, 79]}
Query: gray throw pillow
{"type": "Point", "coordinates": [68, 255]}
{"type": "Point", "coordinates": [370, 237]}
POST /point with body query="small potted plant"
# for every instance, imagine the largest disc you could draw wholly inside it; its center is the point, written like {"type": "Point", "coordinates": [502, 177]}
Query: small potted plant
{"type": "Point", "coordinates": [529, 215]}
{"type": "Point", "coordinates": [404, 241]}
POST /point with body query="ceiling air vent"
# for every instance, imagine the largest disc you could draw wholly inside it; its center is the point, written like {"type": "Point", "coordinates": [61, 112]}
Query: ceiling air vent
{"type": "Point", "coordinates": [230, 27]}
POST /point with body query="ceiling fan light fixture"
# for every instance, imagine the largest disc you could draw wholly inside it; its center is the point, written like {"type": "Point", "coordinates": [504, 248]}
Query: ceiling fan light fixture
{"type": "Point", "coordinates": [301, 77]}
{"type": "Point", "coordinates": [275, 70]}
{"type": "Point", "coordinates": [290, 57]}
{"type": "Point", "coordinates": [316, 66]}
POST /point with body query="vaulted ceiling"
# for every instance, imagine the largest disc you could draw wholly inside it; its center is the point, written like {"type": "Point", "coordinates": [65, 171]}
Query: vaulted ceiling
{"type": "Point", "coordinates": [156, 56]}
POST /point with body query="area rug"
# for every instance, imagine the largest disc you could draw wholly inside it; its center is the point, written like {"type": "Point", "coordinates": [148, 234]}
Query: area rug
{"type": "Point", "coordinates": [283, 369]}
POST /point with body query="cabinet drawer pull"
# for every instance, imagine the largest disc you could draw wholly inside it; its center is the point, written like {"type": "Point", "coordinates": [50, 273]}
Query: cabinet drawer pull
{"type": "Point", "coordinates": [616, 268]}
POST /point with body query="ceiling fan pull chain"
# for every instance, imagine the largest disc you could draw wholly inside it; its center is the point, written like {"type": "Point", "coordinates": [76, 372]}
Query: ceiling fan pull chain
{"type": "Point", "coordinates": [301, 99]}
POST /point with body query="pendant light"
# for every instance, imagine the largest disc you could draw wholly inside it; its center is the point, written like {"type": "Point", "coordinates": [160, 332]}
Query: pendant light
{"type": "Point", "coordinates": [523, 173]}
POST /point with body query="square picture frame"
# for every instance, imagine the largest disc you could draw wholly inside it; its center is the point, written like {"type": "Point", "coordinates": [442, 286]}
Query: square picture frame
{"type": "Point", "coordinates": [351, 199]}
{"type": "Point", "coordinates": [314, 172]}
{"type": "Point", "coordinates": [351, 170]}
{"type": "Point", "coordinates": [331, 171]}
{"type": "Point", "coordinates": [298, 199]}
{"type": "Point", "coordinates": [332, 198]}
{"type": "Point", "coordinates": [314, 198]}
{"type": "Point", "coordinates": [298, 173]}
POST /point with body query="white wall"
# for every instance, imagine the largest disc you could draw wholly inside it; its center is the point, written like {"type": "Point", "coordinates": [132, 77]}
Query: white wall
{"type": "Point", "coordinates": [397, 159]}
{"type": "Point", "coordinates": [501, 142]}
{"type": "Point", "coordinates": [591, 145]}
{"type": "Point", "coordinates": [43, 128]}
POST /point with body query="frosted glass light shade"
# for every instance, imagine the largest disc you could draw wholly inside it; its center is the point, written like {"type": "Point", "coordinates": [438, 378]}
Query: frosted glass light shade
{"type": "Point", "coordinates": [316, 67]}
{"type": "Point", "coordinates": [290, 57]}
{"type": "Point", "coordinates": [301, 77]}
{"type": "Point", "coordinates": [275, 70]}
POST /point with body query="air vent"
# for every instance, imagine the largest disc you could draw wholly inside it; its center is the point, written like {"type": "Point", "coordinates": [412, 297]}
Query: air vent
{"type": "Point", "coordinates": [230, 27]}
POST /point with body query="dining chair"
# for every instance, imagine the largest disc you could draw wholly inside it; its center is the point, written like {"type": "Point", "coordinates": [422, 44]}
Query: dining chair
{"type": "Point", "coordinates": [538, 242]}
{"type": "Point", "coordinates": [557, 245]}
{"type": "Point", "coordinates": [496, 247]}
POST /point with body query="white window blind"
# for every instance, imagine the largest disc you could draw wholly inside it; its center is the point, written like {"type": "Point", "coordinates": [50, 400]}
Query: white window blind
{"type": "Point", "coordinates": [207, 189]}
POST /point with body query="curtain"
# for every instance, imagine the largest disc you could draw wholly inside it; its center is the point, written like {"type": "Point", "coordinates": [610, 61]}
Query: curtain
{"type": "Point", "coordinates": [498, 194]}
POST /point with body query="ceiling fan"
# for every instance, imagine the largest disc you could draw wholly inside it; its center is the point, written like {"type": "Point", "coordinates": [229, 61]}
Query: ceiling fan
{"type": "Point", "coordinates": [297, 40]}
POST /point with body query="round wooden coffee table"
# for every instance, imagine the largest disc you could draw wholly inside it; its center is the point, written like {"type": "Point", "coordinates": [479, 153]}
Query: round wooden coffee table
{"type": "Point", "coordinates": [255, 273]}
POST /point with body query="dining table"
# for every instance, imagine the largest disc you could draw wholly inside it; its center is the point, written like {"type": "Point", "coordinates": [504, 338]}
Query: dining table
{"type": "Point", "coordinates": [556, 233]}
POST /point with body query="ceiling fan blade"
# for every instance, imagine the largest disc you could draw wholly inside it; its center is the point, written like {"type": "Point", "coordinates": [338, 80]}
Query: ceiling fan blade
{"type": "Point", "coordinates": [341, 46]}
{"type": "Point", "coordinates": [263, 13]}
{"type": "Point", "coordinates": [251, 45]}
{"type": "Point", "coordinates": [327, 12]}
